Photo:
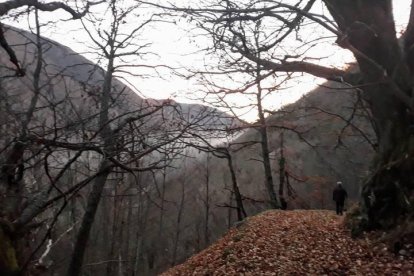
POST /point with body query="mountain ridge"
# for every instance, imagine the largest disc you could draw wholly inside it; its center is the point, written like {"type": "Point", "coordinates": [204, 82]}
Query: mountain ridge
{"type": "Point", "coordinates": [61, 61]}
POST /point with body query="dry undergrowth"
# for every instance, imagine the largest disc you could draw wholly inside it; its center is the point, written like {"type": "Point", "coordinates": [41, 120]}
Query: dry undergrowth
{"type": "Point", "coordinates": [294, 243]}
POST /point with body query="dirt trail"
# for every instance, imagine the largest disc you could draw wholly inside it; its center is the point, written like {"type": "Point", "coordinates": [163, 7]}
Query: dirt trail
{"type": "Point", "coordinates": [299, 242]}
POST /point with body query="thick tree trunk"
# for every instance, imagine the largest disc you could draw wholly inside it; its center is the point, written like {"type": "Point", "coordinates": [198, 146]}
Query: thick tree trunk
{"type": "Point", "coordinates": [82, 237]}
{"type": "Point", "coordinates": [282, 173]}
{"type": "Point", "coordinates": [388, 194]}
{"type": "Point", "coordinates": [268, 170]}
{"type": "Point", "coordinates": [110, 267]}
{"type": "Point", "coordinates": [369, 32]}
{"type": "Point", "coordinates": [241, 212]}
{"type": "Point", "coordinates": [75, 266]}
{"type": "Point", "coordinates": [8, 259]}
{"type": "Point", "coordinates": [264, 143]}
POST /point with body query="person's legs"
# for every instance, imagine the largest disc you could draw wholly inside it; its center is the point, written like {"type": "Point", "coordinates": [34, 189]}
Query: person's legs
{"type": "Point", "coordinates": [337, 207]}
{"type": "Point", "coordinates": [341, 208]}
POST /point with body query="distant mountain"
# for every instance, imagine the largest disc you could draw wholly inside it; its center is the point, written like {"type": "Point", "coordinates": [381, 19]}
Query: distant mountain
{"type": "Point", "coordinates": [67, 109]}
{"type": "Point", "coordinates": [73, 84]}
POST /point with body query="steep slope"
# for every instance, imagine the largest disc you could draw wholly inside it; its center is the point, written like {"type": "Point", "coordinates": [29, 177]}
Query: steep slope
{"type": "Point", "coordinates": [72, 83]}
{"type": "Point", "coordinates": [65, 107]}
{"type": "Point", "coordinates": [294, 243]}
{"type": "Point", "coordinates": [327, 137]}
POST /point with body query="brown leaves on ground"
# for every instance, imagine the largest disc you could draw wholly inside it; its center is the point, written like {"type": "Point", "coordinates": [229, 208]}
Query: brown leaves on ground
{"type": "Point", "coordinates": [294, 243]}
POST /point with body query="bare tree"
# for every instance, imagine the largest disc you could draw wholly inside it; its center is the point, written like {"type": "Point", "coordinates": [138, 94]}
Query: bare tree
{"type": "Point", "coordinates": [19, 207]}
{"type": "Point", "coordinates": [12, 5]}
{"type": "Point", "coordinates": [57, 138]}
{"type": "Point", "coordinates": [15, 153]}
{"type": "Point", "coordinates": [384, 74]}
{"type": "Point", "coordinates": [114, 45]}
{"type": "Point", "coordinates": [224, 152]}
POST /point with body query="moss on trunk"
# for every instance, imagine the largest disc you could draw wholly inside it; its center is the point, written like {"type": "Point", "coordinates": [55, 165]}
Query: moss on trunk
{"type": "Point", "coordinates": [8, 260]}
{"type": "Point", "coordinates": [388, 197]}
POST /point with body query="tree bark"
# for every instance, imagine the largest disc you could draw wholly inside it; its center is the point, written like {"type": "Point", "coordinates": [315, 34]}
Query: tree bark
{"type": "Point", "coordinates": [241, 212]}
{"type": "Point", "coordinates": [110, 267]}
{"type": "Point", "coordinates": [8, 259]}
{"type": "Point", "coordinates": [177, 235]}
{"type": "Point", "coordinates": [75, 266]}
{"type": "Point", "coordinates": [282, 161]}
{"type": "Point", "coordinates": [264, 143]}
{"type": "Point", "coordinates": [207, 203]}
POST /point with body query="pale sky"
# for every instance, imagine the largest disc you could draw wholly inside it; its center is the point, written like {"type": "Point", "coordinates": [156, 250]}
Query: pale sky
{"type": "Point", "coordinates": [176, 46]}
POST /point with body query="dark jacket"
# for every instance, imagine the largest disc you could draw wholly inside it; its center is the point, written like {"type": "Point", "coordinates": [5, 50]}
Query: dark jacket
{"type": "Point", "coordinates": [339, 194]}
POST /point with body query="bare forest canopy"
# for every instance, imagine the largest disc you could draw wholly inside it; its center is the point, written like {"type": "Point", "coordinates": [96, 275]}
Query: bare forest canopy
{"type": "Point", "coordinates": [97, 180]}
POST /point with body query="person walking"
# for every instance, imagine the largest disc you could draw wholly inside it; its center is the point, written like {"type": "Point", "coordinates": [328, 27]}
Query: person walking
{"type": "Point", "coordinates": [339, 196]}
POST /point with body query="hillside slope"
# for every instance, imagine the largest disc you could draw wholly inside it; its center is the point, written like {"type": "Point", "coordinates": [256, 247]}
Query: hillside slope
{"type": "Point", "coordinates": [294, 243]}
{"type": "Point", "coordinates": [72, 84]}
{"type": "Point", "coordinates": [327, 138]}
{"type": "Point", "coordinates": [64, 106]}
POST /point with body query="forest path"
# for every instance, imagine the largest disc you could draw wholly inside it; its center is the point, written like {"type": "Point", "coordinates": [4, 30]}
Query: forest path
{"type": "Point", "coordinates": [300, 242]}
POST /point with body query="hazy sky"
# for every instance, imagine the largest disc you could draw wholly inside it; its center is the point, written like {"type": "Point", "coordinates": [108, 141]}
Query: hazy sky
{"type": "Point", "coordinates": [175, 45]}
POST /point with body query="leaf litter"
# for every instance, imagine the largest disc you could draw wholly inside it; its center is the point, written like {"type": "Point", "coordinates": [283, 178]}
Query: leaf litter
{"type": "Point", "coordinates": [300, 242]}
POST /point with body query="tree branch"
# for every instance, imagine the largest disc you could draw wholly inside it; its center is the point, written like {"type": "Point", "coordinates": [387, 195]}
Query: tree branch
{"type": "Point", "coordinates": [3, 42]}
{"type": "Point", "coordinates": [6, 7]}
{"type": "Point", "coordinates": [328, 73]}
